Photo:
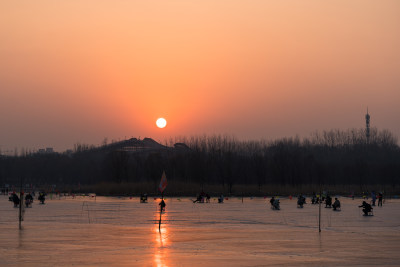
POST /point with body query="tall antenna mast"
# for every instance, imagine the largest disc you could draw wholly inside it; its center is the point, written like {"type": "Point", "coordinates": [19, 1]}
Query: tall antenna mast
{"type": "Point", "coordinates": [367, 131]}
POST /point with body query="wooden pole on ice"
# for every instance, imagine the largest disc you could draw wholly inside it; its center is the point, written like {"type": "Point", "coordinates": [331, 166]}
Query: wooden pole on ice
{"type": "Point", "coordinates": [319, 216]}
{"type": "Point", "coordinates": [161, 208]}
{"type": "Point", "coordinates": [20, 203]}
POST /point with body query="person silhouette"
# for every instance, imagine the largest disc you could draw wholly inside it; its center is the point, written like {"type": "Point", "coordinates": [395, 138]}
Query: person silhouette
{"type": "Point", "coordinates": [367, 208]}
{"type": "Point", "coordinates": [162, 205]}
{"type": "Point", "coordinates": [336, 204]}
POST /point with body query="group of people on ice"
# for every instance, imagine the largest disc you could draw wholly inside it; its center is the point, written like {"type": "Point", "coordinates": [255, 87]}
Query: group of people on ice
{"type": "Point", "coordinates": [301, 200]}
{"type": "Point", "coordinates": [28, 199]}
{"type": "Point", "coordinates": [328, 203]}
{"type": "Point", "coordinates": [202, 197]}
{"type": "Point", "coordinates": [374, 196]}
{"type": "Point", "coordinates": [368, 207]}
{"type": "Point", "coordinates": [336, 205]}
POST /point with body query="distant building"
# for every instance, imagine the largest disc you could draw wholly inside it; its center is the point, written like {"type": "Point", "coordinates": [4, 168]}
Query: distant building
{"type": "Point", "coordinates": [367, 127]}
{"type": "Point", "coordinates": [49, 150]}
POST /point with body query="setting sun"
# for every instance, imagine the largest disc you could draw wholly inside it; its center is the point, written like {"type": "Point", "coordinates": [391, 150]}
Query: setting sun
{"type": "Point", "coordinates": [161, 123]}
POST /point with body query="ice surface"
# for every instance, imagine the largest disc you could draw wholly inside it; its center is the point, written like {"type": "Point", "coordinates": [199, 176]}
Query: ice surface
{"type": "Point", "coordinates": [107, 231]}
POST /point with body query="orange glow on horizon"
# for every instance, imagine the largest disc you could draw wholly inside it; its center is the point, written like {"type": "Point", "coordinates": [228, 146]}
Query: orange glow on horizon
{"type": "Point", "coordinates": [258, 69]}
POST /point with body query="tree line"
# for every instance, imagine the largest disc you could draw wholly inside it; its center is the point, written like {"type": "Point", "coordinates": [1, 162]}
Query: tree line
{"type": "Point", "coordinates": [332, 157]}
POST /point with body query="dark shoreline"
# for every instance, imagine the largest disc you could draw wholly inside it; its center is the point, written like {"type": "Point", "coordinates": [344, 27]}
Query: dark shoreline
{"type": "Point", "coordinates": [178, 189]}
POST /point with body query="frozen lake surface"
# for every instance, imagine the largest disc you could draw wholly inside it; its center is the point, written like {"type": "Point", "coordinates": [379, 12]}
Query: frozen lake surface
{"type": "Point", "coordinates": [107, 231]}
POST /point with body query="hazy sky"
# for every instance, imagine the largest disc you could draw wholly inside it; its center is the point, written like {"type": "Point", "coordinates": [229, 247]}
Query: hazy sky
{"type": "Point", "coordinates": [79, 70]}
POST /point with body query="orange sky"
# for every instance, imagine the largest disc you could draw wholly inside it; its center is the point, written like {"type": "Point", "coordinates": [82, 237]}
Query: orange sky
{"type": "Point", "coordinates": [79, 71]}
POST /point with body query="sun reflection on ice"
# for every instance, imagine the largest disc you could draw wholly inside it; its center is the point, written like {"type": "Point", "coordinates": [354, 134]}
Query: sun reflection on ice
{"type": "Point", "coordinates": [161, 242]}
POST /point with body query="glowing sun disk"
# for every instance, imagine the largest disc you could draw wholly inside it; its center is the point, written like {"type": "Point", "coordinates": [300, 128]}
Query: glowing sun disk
{"type": "Point", "coordinates": [161, 123]}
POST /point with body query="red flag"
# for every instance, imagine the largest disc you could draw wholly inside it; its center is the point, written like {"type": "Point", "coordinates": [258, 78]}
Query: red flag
{"type": "Point", "coordinates": [163, 182]}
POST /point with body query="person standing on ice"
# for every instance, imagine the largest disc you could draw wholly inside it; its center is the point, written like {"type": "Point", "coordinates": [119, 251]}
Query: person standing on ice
{"type": "Point", "coordinates": [373, 197]}
{"type": "Point", "coordinates": [380, 199]}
